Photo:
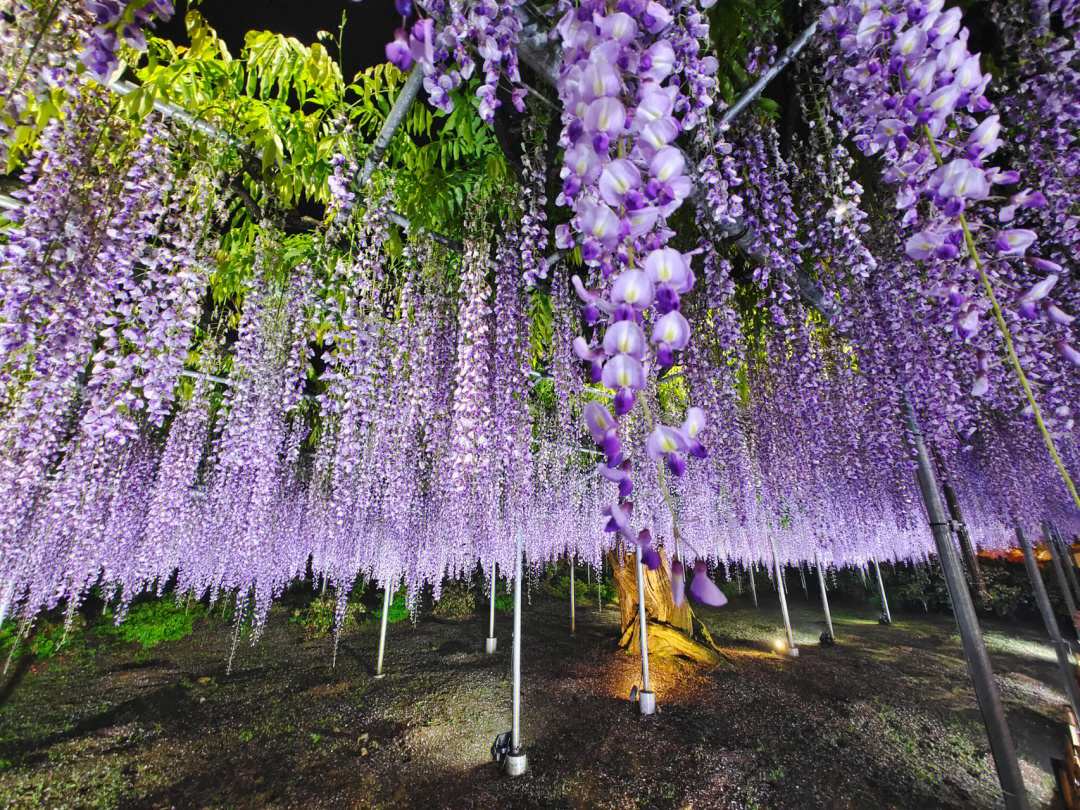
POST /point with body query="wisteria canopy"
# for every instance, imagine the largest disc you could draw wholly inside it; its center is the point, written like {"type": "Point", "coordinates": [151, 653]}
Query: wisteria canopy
{"type": "Point", "coordinates": [595, 288]}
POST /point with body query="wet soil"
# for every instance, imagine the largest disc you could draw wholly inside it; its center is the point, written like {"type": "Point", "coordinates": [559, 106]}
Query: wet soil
{"type": "Point", "coordinates": [885, 719]}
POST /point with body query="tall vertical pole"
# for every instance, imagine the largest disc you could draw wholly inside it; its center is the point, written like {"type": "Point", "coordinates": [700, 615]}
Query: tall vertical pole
{"type": "Point", "coordinates": [491, 643]}
{"type": "Point", "coordinates": [1069, 561]}
{"type": "Point", "coordinates": [573, 627]}
{"type": "Point", "coordinates": [387, 590]}
{"type": "Point", "coordinates": [802, 578]}
{"type": "Point", "coordinates": [516, 761]}
{"type": "Point", "coordinates": [646, 697]}
{"type": "Point", "coordinates": [886, 617]}
{"type": "Point", "coordinates": [753, 585]}
{"type": "Point", "coordinates": [982, 674]}
{"type": "Point", "coordinates": [1063, 583]}
{"type": "Point", "coordinates": [967, 548]}
{"type": "Point", "coordinates": [1072, 689]}
{"type": "Point", "coordinates": [792, 650]}
{"type": "Point", "coordinates": [824, 600]}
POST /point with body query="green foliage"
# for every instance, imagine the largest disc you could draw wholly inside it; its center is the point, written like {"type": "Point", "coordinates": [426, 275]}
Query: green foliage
{"type": "Point", "coordinates": [150, 623]}
{"type": "Point", "coordinates": [456, 601]}
{"type": "Point", "coordinates": [46, 639]}
{"type": "Point", "coordinates": [317, 618]}
{"type": "Point", "coordinates": [504, 601]}
{"type": "Point", "coordinates": [399, 610]}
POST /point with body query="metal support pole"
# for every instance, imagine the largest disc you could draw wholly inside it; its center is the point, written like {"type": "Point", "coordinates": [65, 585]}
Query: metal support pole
{"type": "Point", "coordinates": [802, 578]}
{"type": "Point", "coordinates": [792, 650]}
{"type": "Point", "coordinates": [828, 637]}
{"type": "Point", "coordinates": [646, 697]}
{"type": "Point", "coordinates": [1059, 569]}
{"type": "Point", "coordinates": [886, 617]}
{"type": "Point", "coordinates": [573, 619]}
{"type": "Point", "coordinates": [516, 761]}
{"type": "Point", "coordinates": [1068, 677]}
{"type": "Point", "coordinates": [387, 590]}
{"type": "Point", "coordinates": [982, 674]}
{"type": "Point", "coordinates": [1070, 569]}
{"type": "Point", "coordinates": [753, 585]}
{"type": "Point", "coordinates": [963, 537]}
{"type": "Point", "coordinates": [491, 643]}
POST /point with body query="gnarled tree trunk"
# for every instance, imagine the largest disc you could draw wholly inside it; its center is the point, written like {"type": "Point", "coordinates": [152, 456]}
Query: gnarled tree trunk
{"type": "Point", "coordinates": [672, 631]}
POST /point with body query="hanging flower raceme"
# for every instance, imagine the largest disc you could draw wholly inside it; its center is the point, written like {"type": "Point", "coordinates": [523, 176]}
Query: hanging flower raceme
{"type": "Point", "coordinates": [911, 91]}
{"type": "Point", "coordinates": [623, 108]}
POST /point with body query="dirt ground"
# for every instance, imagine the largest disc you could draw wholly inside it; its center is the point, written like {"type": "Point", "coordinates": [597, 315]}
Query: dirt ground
{"type": "Point", "coordinates": [885, 719]}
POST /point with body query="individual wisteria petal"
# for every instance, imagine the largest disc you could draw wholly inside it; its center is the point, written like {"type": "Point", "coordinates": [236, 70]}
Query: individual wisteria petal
{"type": "Point", "coordinates": [601, 224]}
{"type": "Point", "coordinates": [599, 421]}
{"type": "Point", "coordinates": [398, 52]}
{"type": "Point", "coordinates": [672, 330]}
{"type": "Point", "coordinates": [678, 583]}
{"type": "Point", "coordinates": [606, 115]}
{"type": "Point", "coordinates": [618, 178]}
{"type": "Point", "coordinates": [625, 337]}
{"type": "Point", "coordinates": [703, 589]}
{"type": "Point", "coordinates": [667, 266]}
{"type": "Point", "coordinates": [923, 245]}
{"type": "Point", "coordinates": [1068, 352]}
{"type": "Point", "coordinates": [623, 372]}
{"type": "Point", "coordinates": [1040, 290]}
{"type": "Point", "coordinates": [1014, 242]}
{"type": "Point", "coordinates": [634, 288]}
{"type": "Point", "coordinates": [664, 440]}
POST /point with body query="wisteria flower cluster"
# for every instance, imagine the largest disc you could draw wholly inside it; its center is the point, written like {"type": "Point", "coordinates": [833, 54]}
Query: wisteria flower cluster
{"type": "Point", "coordinates": [624, 176]}
{"type": "Point", "coordinates": [115, 23]}
{"type": "Point", "coordinates": [490, 27]}
{"type": "Point", "coordinates": [913, 94]}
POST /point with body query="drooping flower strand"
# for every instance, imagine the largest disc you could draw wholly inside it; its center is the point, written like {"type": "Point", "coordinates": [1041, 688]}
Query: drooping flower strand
{"type": "Point", "coordinates": [35, 41]}
{"type": "Point", "coordinates": [913, 89]}
{"type": "Point", "coordinates": [533, 230]}
{"type": "Point", "coordinates": [623, 177]}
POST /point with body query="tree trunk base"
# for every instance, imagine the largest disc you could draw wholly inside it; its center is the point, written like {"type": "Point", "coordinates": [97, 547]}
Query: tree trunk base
{"type": "Point", "coordinates": [666, 641]}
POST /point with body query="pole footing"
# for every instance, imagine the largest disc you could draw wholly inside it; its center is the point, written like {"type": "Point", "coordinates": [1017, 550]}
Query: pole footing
{"type": "Point", "coordinates": [516, 763]}
{"type": "Point", "coordinates": [647, 702]}
{"type": "Point", "coordinates": [490, 645]}
{"type": "Point", "coordinates": [792, 652]}
{"type": "Point", "coordinates": [826, 639]}
{"type": "Point", "coordinates": [380, 675]}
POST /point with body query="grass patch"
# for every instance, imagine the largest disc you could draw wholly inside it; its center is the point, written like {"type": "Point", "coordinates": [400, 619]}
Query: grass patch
{"type": "Point", "coordinates": [150, 623]}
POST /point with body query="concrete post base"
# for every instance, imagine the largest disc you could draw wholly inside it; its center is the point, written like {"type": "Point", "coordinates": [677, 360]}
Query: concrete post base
{"type": "Point", "coordinates": [490, 645]}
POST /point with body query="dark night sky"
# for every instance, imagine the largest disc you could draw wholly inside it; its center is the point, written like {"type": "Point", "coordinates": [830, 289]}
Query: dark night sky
{"type": "Point", "coordinates": [370, 24]}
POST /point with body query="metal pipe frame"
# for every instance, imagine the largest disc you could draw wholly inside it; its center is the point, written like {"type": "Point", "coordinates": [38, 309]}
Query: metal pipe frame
{"type": "Point", "coordinates": [573, 618]}
{"type": "Point", "coordinates": [978, 661]}
{"type": "Point", "coordinates": [885, 614]}
{"type": "Point", "coordinates": [646, 698]}
{"type": "Point", "coordinates": [515, 728]}
{"type": "Point", "coordinates": [492, 643]}
{"type": "Point", "coordinates": [1070, 567]}
{"type": "Point", "coordinates": [792, 650]}
{"type": "Point", "coordinates": [1061, 650]}
{"type": "Point", "coordinates": [753, 585]}
{"type": "Point", "coordinates": [387, 590]}
{"type": "Point", "coordinates": [1059, 569]}
{"type": "Point", "coordinates": [824, 597]}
